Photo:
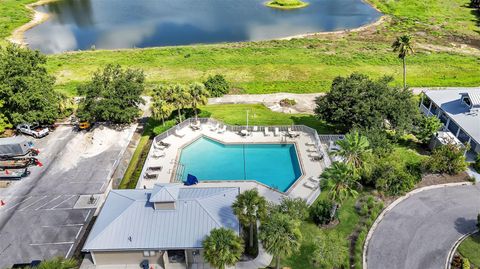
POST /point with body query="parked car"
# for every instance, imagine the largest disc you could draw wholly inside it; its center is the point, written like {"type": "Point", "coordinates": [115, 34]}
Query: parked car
{"type": "Point", "coordinates": [34, 130]}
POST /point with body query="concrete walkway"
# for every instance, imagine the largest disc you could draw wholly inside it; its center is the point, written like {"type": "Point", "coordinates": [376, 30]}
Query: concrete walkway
{"type": "Point", "coordinates": [305, 102]}
{"type": "Point", "coordinates": [420, 231]}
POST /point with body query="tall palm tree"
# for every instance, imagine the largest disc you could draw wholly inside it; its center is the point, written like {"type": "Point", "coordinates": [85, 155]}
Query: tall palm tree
{"type": "Point", "coordinates": [353, 149]}
{"type": "Point", "coordinates": [249, 208]}
{"type": "Point", "coordinates": [280, 236]}
{"type": "Point", "coordinates": [341, 181]}
{"type": "Point", "coordinates": [222, 248]}
{"type": "Point", "coordinates": [198, 96]}
{"type": "Point", "coordinates": [58, 263]}
{"type": "Point", "coordinates": [403, 45]}
{"type": "Point", "coordinates": [180, 98]}
{"type": "Point", "coordinates": [162, 107]}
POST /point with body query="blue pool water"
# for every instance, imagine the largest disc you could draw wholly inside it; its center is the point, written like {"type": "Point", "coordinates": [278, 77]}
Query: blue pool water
{"type": "Point", "coordinates": [275, 165]}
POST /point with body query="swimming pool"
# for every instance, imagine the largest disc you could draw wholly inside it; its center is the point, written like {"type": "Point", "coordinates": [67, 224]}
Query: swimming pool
{"type": "Point", "coordinates": [275, 165]}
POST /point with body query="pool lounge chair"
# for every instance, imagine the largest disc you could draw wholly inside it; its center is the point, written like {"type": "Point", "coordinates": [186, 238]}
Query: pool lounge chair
{"type": "Point", "coordinates": [158, 154]}
{"type": "Point", "coordinates": [178, 133]}
{"type": "Point", "coordinates": [276, 132]}
{"type": "Point", "coordinates": [310, 185]}
{"type": "Point", "coordinates": [314, 154]}
{"type": "Point", "coordinates": [150, 176]}
{"type": "Point", "coordinates": [266, 132]}
{"type": "Point", "coordinates": [159, 146]}
{"type": "Point", "coordinates": [291, 133]}
{"type": "Point", "coordinates": [154, 168]}
{"type": "Point", "coordinates": [215, 127]}
{"type": "Point", "coordinates": [243, 133]}
{"type": "Point", "coordinates": [223, 129]}
{"type": "Point", "coordinates": [312, 150]}
{"type": "Point", "coordinates": [314, 179]}
{"type": "Point", "coordinates": [255, 129]}
{"type": "Point", "coordinates": [195, 126]}
{"type": "Point", "coordinates": [310, 144]}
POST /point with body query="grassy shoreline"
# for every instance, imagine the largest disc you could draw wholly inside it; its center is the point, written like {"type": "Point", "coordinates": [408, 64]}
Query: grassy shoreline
{"type": "Point", "coordinates": [286, 4]}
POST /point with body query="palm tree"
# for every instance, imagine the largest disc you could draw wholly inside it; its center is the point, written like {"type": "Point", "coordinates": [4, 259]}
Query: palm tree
{"type": "Point", "coordinates": [198, 96]}
{"type": "Point", "coordinates": [403, 45]}
{"type": "Point", "coordinates": [222, 248]}
{"type": "Point", "coordinates": [161, 107]}
{"type": "Point", "coordinates": [353, 149]}
{"type": "Point", "coordinates": [280, 236]}
{"type": "Point", "coordinates": [341, 181]}
{"type": "Point", "coordinates": [58, 263]}
{"type": "Point", "coordinates": [250, 207]}
{"type": "Point", "coordinates": [180, 98]}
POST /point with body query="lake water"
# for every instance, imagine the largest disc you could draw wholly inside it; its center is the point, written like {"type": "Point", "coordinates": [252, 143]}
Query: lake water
{"type": "Point", "coordinates": [111, 24]}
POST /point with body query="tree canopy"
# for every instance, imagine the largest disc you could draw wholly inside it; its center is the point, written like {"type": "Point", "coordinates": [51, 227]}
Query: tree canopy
{"type": "Point", "coordinates": [217, 85]}
{"type": "Point", "coordinates": [113, 94]}
{"type": "Point", "coordinates": [358, 101]}
{"type": "Point", "coordinates": [26, 88]}
{"type": "Point", "coordinates": [222, 248]}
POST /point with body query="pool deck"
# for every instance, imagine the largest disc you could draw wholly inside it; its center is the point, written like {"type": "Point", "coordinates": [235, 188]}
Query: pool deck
{"type": "Point", "coordinates": [186, 135]}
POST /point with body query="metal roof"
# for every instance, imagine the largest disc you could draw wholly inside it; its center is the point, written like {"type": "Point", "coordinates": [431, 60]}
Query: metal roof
{"type": "Point", "coordinates": [474, 98]}
{"type": "Point", "coordinates": [128, 220]}
{"type": "Point", "coordinates": [450, 102]}
{"type": "Point", "coordinates": [165, 193]}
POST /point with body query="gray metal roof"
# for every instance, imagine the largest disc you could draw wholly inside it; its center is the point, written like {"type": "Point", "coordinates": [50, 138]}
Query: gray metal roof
{"type": "Point", "coordinates": [165, 193]}
{"type": "Point", "coordinates": [128, 220]}
{"type": "Point", "coordinates": [474, 98]}
{"type": "Point", "coordinates": [450, 102]}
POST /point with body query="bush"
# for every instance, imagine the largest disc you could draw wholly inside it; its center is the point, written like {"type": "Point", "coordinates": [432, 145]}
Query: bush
{"type": "Point", "coordinates": [296, 208]}
{"type": "Point", "coordinates": [217, 85]}
{"type": "Point", "coordinates": [426, 127]}
{"type": "Point", "coordinates": [379, 142]}
{"type": "Point", "coordinates": [465, 263]}
{"type": "Point", "coordinates": [321, 212]}
{"type": "Point", "coordinates": [393, 178]}
{"type": "Point", "coordinates": [448, 159]}
{"type": "Point", "coordinates": [287, 102]}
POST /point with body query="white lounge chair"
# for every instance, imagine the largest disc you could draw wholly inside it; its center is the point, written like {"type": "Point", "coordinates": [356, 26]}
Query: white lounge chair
{"type": "Point", "coordinates": [276, 132]}
{"type": "Point", "coordinates": [314, 179]}
{"type": "Point", "coordinates": [309, 144]}
{"type": "Point", "coordinates": [179, 133]}
{"type": "Point", "coordinates": [266, 132]}
{"type": "Point", "coordinates": [158, 154]}
{"type": "Point", "coordinates": [255, 129]}
{"type": "Point", "coordinates": [313, 154]}
{"type": "Point", "coordinates": [292, 133]}
{"type": "Point", "coordinates": [243, 133]}
{"type": "Point", "coordinates": [312, 150]}
{"type": "Point", "coordinates": [159, 146]}
{"type": "Point", "coordinates": [223, 129]}
{"type": "Point", "coordinates": [195, 126]}
{"type": "Point", "coordinates": [310, 185]}
{"type": "Point", "coordinates": [213, 128]}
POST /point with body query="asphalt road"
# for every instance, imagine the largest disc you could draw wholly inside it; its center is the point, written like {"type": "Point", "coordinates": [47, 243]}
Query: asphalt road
{"type": "Point", "coordinates": [419, 232]}
{"type": "Point", "coordinates": [39, 220]}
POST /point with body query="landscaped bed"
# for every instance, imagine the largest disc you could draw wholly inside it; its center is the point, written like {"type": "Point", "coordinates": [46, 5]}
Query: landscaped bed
{"type": "Point", "coordinates": [286, 4]}
{"type": "Point", "coordinates": [470, 249]}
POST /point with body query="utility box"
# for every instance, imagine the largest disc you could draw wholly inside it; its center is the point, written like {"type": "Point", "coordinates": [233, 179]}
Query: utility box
{"type": "Point", "coordinates": [15, 146]}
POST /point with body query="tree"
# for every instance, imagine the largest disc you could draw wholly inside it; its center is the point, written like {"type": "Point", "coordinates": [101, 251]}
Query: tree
{"type": "Point", "coordinates": [113, 95]}
{"type": "Point", "coordinates": [280, 236]}
{"type": "Point", "coordinates": [222, 248]}
{"type": "Point", "coordinates": [329, 250]}
{"type": "Point", "coordinates": [392, 178]}
{"type": "Point", "coordinates": [58, 263]}
{"type": "Point", "coordinates": [198, 96]}
{"type": "Point", "coordinates": [379, 141]}
{"type": "Point", "coordinates": [26, 88]}
{"type": "Point", "coordinates": [426, 127]}
{"type": "Point", "coordinates": [4, 123]}
{"type": "Point", "coordinates": [341, 181]}
{"type": "Point", "coordinates": [322, 212]}
{"type": "Point", "coordinates": [449, 158]}
{"type": "Point", "coordinates": [217, 85]}
{"type": "Point", "coordinates": [353, 149]}
{"type": "Point", "coordinates": [179, 98]}
{"type": "Point", "coordinates": [403, 45]}
{"type": "Point", "coordinates": [249, 208]}
{"type": "Point", "coordinates": [357, 101]}
{"type": "Point", "coordinates": [296, 208]}
{"type": "Point", "coordinates": [161, 108]}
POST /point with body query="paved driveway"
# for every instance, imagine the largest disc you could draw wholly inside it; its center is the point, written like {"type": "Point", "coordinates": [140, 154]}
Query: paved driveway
{"type": "Point", "coordinates": [40, 220]}
{"type": "Point", "coordinates": [419, 232]}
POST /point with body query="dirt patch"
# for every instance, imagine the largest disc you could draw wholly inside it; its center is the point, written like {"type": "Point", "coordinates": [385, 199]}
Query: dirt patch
{"type": "Point", "coordinates": [435, 179]}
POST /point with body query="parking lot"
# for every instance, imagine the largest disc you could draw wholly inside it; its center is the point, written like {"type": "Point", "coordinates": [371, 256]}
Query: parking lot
{"type": "Point", "coordinates": [41, 218]}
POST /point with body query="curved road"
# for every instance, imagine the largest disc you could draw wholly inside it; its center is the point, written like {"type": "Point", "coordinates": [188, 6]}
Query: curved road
{"type": "Point", "coordinates": [419, 232]}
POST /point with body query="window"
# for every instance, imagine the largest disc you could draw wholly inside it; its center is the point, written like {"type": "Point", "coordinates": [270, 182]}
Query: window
{"type": "Point", "coordinates": [149, 253]}
{"type": "Point", "coordinates": [466, 101]}
{"type": "Point", "coordinates": [453, 127]}
{"type": "Point", "coordinates": [426, 102]}
{"type": "Point", "coordinates": [443, 118]}
{"type": "Point", "coordinates": [176, 256]}
{"type": "Point", "coordinates": [434, 109]}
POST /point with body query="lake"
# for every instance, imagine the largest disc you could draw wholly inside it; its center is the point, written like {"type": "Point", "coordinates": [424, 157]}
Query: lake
{"type": "Point", "coordinates": [113, 24]}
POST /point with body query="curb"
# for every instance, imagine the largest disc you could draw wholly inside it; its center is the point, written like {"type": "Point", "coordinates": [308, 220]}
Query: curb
{"type": "Point", "coordinates": [393, 204]}
{"type": "Point", "coordinates": [448, 263]}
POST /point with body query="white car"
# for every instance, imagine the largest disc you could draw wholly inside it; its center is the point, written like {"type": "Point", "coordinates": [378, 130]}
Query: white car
{"type": "Point", "coordinates": [33, 130]}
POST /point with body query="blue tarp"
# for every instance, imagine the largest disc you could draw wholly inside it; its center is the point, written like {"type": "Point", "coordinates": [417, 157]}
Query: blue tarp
{"type": "Point", "coordinates": [191, 180]}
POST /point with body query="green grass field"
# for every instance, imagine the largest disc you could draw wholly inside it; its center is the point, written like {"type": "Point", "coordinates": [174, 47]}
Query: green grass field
{"type": "Point", "coordinates": [304, 65]}
{"type": "Point", "coordinates": [470, 249]}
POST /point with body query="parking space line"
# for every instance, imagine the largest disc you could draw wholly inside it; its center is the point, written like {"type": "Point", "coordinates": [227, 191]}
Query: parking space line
{"type": "Point", "coordinates": [68, 252]}
{"type": "Point", "coordinates": [18, 204]}
{"type": "Point", "coordinates": [88, 214]}
{"type": "Point", "coordinates": [52, 208]}
{"type": "Point", "coordinates": [65, 225]}
{"type": "Point", "coordinates": [23, 209]}
{"type": "Point", "coordinates": [48, 202]}
{"type": "Point", "coordinates": [78, 233]}
{"type": "Point", "coordinates": [54, 243]}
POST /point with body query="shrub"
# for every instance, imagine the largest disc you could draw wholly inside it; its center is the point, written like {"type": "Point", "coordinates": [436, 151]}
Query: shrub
{"type": "Point", "coordinates": [321, 212]}
{"type": "Point", "coordinates": [393, 178]}
{"type": "Point", "coordinates": [287, 102]}
{"type": "Point", "coordinates": [217, 85]}
{"type": "Point", "coordinates": [476, 165]}
{"type": "Point", "coordinates": [448, 159]}
{"type": "Point", "coordinates": [426, 127]}
{"type": "Point", "coordinates": [296, 208]}
{"type": "Point", "coordinates": [465, 263]}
